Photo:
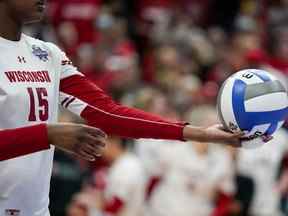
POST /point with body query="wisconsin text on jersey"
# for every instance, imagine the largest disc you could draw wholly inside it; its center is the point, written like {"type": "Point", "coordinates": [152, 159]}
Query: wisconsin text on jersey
{"type": "Point", "coordinates": [28, 76]}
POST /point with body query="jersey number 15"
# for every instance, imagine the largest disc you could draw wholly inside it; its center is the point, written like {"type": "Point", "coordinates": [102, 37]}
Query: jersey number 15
{"type": "Point", "coordinates": [43, 109]}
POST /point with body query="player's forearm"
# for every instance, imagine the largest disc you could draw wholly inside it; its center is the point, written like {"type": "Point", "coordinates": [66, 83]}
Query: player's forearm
{"type": "Point", "coordinates": [214, 134]}
{"type": "Point", "coordinates": [101, 111]}
{"type": "Point", "coordinates": [116, 119]}
{"type": "Point", "coordinates": [126, 126]}
{"type": "Point", "coordinates": [194, 133]}
{"type": "Point", "coordinates": [22, 141]}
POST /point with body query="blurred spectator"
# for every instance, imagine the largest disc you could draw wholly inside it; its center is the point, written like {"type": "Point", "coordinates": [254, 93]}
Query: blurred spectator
{"type": "Point", "coordinates": [191, 176]}
{"type": "Point", "coordinates": [151, 151]}
{"type": "Point", "coordinates": [283, 183]}
{"type": "Point", "coordinates": [80, 14]}
{"type": "Point", "coordinates": [122, 189]}
{"type": "Point", "coordinates": [278, 12]}
{"type": "Point", "coordinates": [154, 101]}
{"type": "Point", "coordinates": [279, 48]}
{"type": "Point", "coordinates": [81, 205]}
{"type": "Point", "coordinates": [244, 189]}
{"type": "Point", "coordinates": [112, 62]}
{"type": "Point", "coordinates": [261, 165]}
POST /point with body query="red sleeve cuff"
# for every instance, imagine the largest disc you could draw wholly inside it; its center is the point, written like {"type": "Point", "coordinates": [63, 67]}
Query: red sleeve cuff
{"type": "Point", "coordinates": [22, 141]}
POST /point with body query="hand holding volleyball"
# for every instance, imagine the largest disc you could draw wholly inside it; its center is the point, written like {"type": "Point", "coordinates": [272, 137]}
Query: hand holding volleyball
{"type": "Point", "coordinates": [254, 102]}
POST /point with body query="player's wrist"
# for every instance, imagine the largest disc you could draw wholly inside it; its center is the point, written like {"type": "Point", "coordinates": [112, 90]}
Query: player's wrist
{"type": "Point", "coordinates": [50, 133]}
{"type": "Point", "coordinates": [193, 133]}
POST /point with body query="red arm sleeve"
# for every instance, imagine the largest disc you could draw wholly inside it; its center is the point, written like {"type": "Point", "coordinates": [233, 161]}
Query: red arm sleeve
{"type": "Point", "coordinates": [102, 112]}
{"type": "Point", "coordinates": [22, 141]}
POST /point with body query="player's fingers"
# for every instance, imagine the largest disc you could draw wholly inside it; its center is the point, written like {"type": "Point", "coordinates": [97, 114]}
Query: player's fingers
{"type": "Point", "coordinates": [86, 155]}
{"type": "Point", "coordinates": [266, 138]}
{"type": "Point", "coordinates": [239, 134]}
{"type": "Point", "coordinates": [96, 132]}
{"type": "Point", "coordinates": [78, 149]}
{"type": "Point", "coordinates": [235, 134]}
{"type": "Point", "coordinates": [221, 127]}
{"type": "Point", "coordinates": [95, 141]}
{"type": "Point", "coordinates": [232, 139]}
{"type": "Point", "coordinates": [94, 150]}
{"type": "Point", "coordinates": [229, 135]}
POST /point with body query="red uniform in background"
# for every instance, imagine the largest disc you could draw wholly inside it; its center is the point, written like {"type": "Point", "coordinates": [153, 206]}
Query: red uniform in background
{"type": "Point", "coordinates": [82, 13]}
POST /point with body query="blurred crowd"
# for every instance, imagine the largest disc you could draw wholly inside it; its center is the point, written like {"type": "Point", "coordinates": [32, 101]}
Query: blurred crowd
{"type": "Point", "coordinates": [170, 57]}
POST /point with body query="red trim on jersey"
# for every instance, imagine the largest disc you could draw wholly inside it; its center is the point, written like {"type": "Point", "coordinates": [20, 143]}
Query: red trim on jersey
{"type": "Point", "coordinates": [22, 141]}
{"type": "Point", "coordinates": [113, 206]}
{"type": "Point", "coordinates": [153, 183]}
{"type": "Point", "coordinates": [116, 119]}
{"type": "Point", "coordinates": [223, 203]}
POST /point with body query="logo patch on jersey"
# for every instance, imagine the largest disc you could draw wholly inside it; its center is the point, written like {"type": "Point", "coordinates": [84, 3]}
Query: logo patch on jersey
{"type": "Point", "coordinates": [66, 62]}
{"type": "Point", "coordinates": [12, 212]}
{"type": "Point", "coordinates": [21, 59]}
{"type": "Point", "coordinates": [40, 53]}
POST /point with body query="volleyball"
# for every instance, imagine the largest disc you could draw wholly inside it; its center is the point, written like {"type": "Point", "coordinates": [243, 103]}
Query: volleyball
{"type": "Point", "coordinates": [254, 102]}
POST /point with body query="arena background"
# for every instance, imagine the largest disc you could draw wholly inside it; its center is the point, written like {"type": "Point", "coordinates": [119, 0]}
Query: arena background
{"type": "Point", "coordinates": [169, 57]}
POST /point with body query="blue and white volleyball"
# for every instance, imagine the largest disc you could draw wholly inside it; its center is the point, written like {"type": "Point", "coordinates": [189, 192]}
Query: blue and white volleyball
{"type": "Point", "coordinates": [254, 102]}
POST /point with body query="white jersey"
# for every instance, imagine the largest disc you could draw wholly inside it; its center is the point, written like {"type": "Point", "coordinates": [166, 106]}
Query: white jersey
{"type": "Point", "coordinates": [188, 182]}
{"type": "Point", "coordinates": [125, 181]}
{"type": "Point", "coordinates": [262, 165]}
{"type": "Point", "coordinates": [153, 156]}
{"type": "Point", "coordinates": [29, 93]}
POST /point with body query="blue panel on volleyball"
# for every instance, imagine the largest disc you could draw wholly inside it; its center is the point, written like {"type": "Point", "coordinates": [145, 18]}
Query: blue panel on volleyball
{"type": "Point", "coordinates": [262, 75]}
{"type": "Point", "coordinates": [247, 120]}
